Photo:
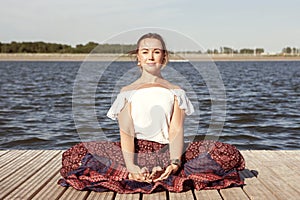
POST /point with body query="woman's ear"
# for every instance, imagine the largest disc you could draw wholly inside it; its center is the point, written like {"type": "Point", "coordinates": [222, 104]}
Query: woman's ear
{"type": "Point", "coordinates": [164, 60]}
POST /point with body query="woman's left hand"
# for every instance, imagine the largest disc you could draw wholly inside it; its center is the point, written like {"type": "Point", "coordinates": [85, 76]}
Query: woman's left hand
{"type": "Point", "coordinates": [172, 168]}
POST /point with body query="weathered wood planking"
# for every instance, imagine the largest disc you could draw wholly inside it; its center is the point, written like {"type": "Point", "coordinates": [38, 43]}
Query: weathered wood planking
{"type": "Point", "coordinates": [33, 174]}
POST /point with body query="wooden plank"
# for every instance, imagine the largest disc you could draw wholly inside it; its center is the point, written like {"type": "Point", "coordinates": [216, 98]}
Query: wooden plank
{"type": "Point", "coordinates": [233, 193]}
{"type": "Point", "coordinates": [2, 152]}
{"type": "Point", "coordinates": [291, 161]}
{"type": "Point", "coordinates": [10, 156]}
{"type": "Point", "coordinates": [254, 188]}
{"type": "Point", "coordinates": [51, 190]}
{"type": "Point", "coordinates": [72, 194]}
{"type": "Point", "coordinates": [287, 158]}
{"type": "Point", "coordinates": [155, 196]}
{"type": "Point", "coordinates": [207, 195]}
{"type": "Point", "coordinates": [292, 154]}
{"type": "Point", "coordinates": [135, 196]}
{"type": "Point", "coordinates": [290, 177]}
{"type": "Point", "coordinates": [182, 195]}
{"type": "Point", "coordinates": [268, 178]}
{"type": "Point", "coordinates": [101, 196]}
{"type": "Point", "coordinates": [16, 164]}
{"type": "Point", "coordinates": [10, 184]}
{"type": "Point", "coordinates": [37, 181]}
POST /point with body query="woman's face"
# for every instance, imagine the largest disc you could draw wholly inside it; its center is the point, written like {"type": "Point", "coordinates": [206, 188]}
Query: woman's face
{"type": "Point", "coordinates": [150, 54]}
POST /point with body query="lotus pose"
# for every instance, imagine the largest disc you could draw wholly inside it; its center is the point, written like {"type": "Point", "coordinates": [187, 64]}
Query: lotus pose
{"type": "Point", "coordinates": [151, 155]}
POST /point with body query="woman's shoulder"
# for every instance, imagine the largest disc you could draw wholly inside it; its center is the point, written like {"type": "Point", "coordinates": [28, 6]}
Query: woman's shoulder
{"type": "Point", "coordinates": [126, 89]}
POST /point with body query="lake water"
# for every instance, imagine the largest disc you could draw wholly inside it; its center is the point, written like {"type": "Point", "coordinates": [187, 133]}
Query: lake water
{"type": "Point", "coordinates": [262, 103]}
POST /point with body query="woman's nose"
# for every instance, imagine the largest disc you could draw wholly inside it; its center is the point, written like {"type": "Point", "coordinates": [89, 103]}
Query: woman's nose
{"type": "Point", "coordinates": [150, 56]}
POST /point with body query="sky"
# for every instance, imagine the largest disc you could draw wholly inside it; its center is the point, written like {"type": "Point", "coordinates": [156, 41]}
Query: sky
{"type": "Point", "coordinates": [268, 24]}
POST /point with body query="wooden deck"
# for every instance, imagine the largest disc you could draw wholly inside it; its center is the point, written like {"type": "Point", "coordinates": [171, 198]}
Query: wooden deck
{"type": "Point", "coordinates": [32, 174]}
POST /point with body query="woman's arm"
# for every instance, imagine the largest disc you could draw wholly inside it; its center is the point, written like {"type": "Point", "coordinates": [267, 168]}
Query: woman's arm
{"type": "Point", "coordinates": [176, 140]}
{"type": "Point", "coordinates": [176, 132]}
{"type": "Point", "coordinates": [127, 135]}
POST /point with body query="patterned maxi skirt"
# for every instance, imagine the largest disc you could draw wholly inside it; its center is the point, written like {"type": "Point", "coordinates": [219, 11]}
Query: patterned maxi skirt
{"type": "Point", "coordinates": [99, 166]}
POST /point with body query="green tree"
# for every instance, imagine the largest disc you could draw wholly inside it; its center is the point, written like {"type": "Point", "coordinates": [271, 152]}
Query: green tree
{"type": "Point", "coordinates": [246, 51]}
{"type": "Point", "coordinates": [209, 51]}
{"type": "Point", "coordinates": [287, 50]}
{"type": "Point", "coordinates": [226, 50]}
{"type": "Point", "coordinates": [259, 50]}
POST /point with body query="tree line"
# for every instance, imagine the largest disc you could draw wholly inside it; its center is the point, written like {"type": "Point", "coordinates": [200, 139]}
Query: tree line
{"type": "Point", "coordinates": [228, 50]}
{"type": "Point", "coordinates": [43, 47]}
{"type": "Point", "coordinates": [255, 51]}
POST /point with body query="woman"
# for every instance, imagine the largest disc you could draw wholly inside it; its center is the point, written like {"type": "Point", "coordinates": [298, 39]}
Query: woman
{"type": "Point", "coordinates": [151, 155]}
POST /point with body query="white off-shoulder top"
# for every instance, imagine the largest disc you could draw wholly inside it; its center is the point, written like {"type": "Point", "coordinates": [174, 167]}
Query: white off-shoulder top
{"type": "Point", "coordinates": [151, 110]}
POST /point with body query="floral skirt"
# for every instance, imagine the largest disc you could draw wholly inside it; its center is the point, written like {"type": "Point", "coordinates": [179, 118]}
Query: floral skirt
{"type": "Point", "coordinates": [99, 166]}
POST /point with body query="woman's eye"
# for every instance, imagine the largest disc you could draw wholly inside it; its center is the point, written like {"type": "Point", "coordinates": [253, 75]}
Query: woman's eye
{"type": "Point", "coordinates": [144, 52]}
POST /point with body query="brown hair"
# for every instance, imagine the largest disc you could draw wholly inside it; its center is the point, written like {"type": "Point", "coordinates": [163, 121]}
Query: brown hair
{"type": "Point", "coordinates": [154, 36]}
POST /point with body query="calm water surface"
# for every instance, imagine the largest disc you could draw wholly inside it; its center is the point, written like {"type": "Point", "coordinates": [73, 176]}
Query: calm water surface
{"type": "Point", "coordinates": [262, 103]}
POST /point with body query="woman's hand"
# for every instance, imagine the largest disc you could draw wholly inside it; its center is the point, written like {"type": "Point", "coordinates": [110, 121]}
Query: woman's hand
{"type": "Point", "coordinates": [138, 174]}
{"type": "Point", "coordinates": [172, 168]}
{"type": "Point", "coordinates": [156, 172]}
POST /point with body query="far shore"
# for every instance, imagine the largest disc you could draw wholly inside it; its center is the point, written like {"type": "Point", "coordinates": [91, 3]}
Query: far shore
{"type": "Point", "coordinates": [124, 57]}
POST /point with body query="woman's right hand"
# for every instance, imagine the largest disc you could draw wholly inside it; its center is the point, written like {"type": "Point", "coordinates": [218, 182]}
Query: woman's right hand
{"type": "Point", "coordinates": [156, 172]}
{"type": "Point", "coordinates": [138, 174]}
